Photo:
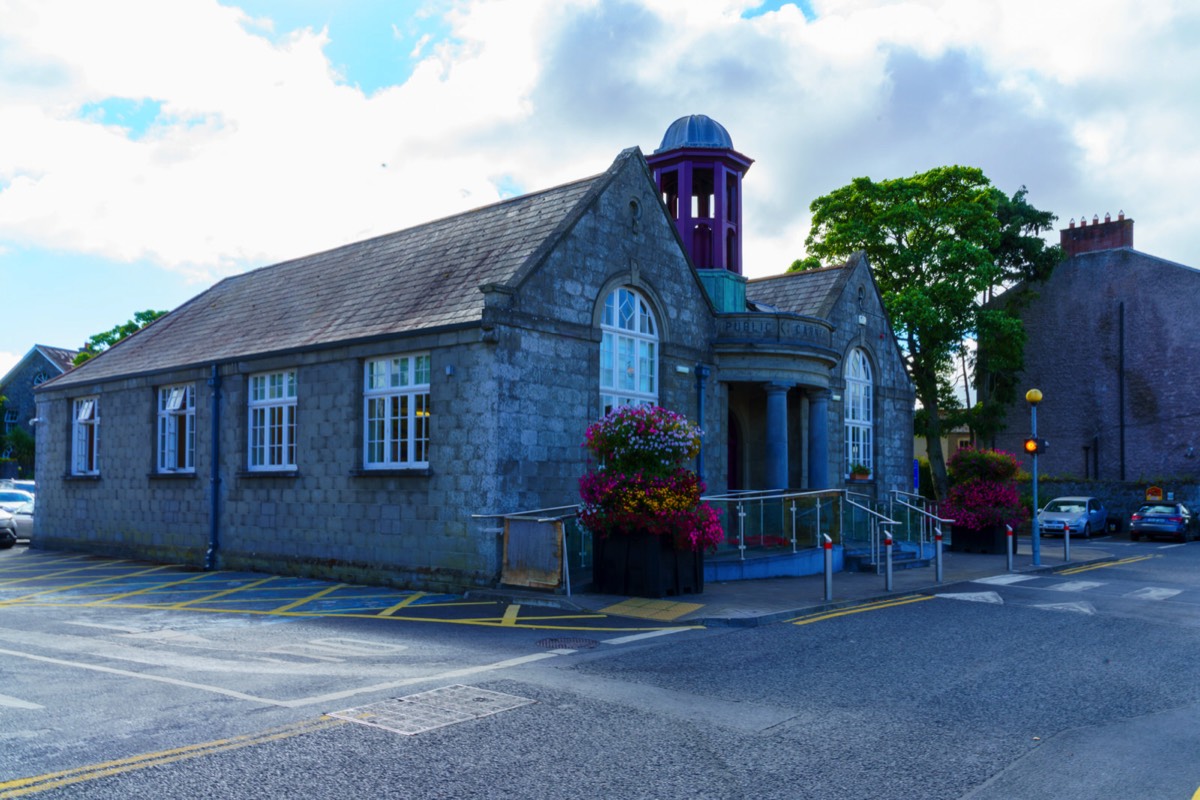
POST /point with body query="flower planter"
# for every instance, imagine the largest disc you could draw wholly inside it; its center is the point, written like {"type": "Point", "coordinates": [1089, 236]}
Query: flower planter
{"type": "Point", "coordinates": [992, 540]}
{"type": "Point", "coordinates": [640, 564]}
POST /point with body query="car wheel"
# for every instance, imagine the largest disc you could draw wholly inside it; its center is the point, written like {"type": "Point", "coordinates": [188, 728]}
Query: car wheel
{"type": "Point", "coordinates": [1087, 531]}
{"type": "Point", "coordinates": [1181, 536]}
{"type": "Point", "coordinates": [1137, 537]}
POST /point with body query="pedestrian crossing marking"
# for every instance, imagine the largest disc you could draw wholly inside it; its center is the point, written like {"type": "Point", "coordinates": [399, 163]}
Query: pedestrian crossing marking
{"type": "Point", "coordinates": [1078, 608]}
{"type": "Point", "coordinates": [1074, 586]}
{"type": "Point", "coordinates": [1004, 580]}
{"type": "Point", "coordinates": [974, 597]}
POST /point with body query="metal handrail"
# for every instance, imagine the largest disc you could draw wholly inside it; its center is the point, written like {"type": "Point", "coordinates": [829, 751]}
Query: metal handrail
{"type": "Point", "coordinates": [761, 497]}
{"type": "Point", "coordinates": [875, 521]}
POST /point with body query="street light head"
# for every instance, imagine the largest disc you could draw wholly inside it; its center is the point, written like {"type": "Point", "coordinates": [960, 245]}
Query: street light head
{"type": "Point", "coordinates": [1033, 397]}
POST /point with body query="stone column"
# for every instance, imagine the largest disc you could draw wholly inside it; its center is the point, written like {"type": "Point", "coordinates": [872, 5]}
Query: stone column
{"type": "Point", "coordinates": [777, 438]}
{"type": "Point", "coordinates": [818, 439]}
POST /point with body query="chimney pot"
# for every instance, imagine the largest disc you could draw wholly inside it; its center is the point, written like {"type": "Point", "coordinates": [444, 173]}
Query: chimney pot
{"type": "Point", "coordinates": [1072, 222]}
{"type": "Point", "coordinates": [1121, 215]}
{"type": "Point", "coordinates": [1095, 219]}
{"type": "Point", "coordinates": [1107, 218]}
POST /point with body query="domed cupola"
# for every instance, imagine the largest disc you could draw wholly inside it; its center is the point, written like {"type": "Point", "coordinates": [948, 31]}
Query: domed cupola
{"type": "Point", "coordinates": [699, 175]}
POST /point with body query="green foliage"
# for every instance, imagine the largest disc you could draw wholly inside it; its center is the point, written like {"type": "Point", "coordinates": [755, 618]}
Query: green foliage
{"type": "Point", "coordinates": [102, 341]}
{"type": "Point", "coordinates": [21, 443]}
{"type": "Point", "coordinates": [806, 263]}
{"type": "Point", "coordinates": [970, 464]}
{"type": "Point", "coordinates": [939, 243]}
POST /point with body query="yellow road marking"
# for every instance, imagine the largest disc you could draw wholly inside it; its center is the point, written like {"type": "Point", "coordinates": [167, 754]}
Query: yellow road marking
{"type": "Point", "coordinates": [53, 780]}
{"type": "Point", "coordinates": [1117, 563]}
{"type": "Point", "coordinates": [222, 593]}
{"type": "Point", "coordinates": [156, 587]}
{"type": "Point", "coordinates": [303, 600]}
{"type": "Point", "coordinates": [643, 608]}
{"type": "Point", "coordinates": [412, 598]}
{"type": "Point", "coordinates": [510, 615]}
{"type": "Point", "coordinates": [485, 622]}
{"type": "Point", "coordinates": [880, 604]}
{"type": "Point", "coordinates": [62, 572]}
{"type": "Point", "coordinates": [96, 582]}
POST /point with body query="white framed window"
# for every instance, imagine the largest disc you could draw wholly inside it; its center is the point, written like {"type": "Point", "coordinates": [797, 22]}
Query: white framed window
{"type": "Point", "coordinates": [396, 412]}
{"type": "Point", "coordinates": [628, 351]}
{"type": "Point", "coordinates": [85, 437]}
{"type": "Point", "coordinates": [272, 421]}
{"type": "Point", "coordinates": [860, 416]}
{"type": "Point", "coordinates": [177, 429]}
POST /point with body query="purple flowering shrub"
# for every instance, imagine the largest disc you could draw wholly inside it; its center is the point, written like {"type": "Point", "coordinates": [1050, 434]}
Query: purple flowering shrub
{"type": "Point", "coordinates": [642, 483]}
{"type": "Point", "coordinates": [984, 491]}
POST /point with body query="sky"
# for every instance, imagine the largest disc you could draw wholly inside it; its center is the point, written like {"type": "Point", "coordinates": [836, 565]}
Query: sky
{"type": "Point", "coordinates": [149, 149]}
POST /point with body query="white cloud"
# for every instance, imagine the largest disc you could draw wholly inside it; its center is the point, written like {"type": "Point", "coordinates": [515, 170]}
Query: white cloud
{"type": "Point", "coordinates": [264, 153]}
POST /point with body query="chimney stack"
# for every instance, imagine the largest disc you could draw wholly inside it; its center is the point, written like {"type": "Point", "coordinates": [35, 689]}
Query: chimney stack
{"type": "Point", "coordinates": [1106, 235]}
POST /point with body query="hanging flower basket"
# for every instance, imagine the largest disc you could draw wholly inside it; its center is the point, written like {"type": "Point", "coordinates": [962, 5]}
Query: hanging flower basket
{"type": "Point", "coordinates": [643, 506]}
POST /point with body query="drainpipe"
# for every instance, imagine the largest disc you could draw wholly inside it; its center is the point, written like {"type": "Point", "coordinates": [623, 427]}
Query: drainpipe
{"type": "Point", "coordinates": [702, 373]}
{"type": "Point", "coordinates": [1121, 380]}
{"type": "Point", "coordinates": [214, 531]}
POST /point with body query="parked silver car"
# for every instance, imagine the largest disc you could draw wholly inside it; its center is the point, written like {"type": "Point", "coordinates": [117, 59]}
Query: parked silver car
{"type": "Point", "coordinates": [11, 498]}
{"type": "Point", "coordinates": [1083, 516]}
{"type": "Point", "coordinates": [23, 517]}
{"type": "Point", "coordinates": [8, 529]}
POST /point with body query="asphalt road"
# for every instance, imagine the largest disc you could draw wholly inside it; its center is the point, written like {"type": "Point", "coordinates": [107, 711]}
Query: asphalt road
{"type": "Point", "coordinates": [1080, 685]}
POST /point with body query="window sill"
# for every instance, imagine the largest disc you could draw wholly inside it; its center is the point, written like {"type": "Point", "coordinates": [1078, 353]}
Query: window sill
{"type": "Point", "coordinates": [414, 472]}
{"type": "Point", "coordinates": [172, 476]}
{"type": "Point", "coordinates": [269, 473]}
{"type": "Point", "coordinates": [81, 478]}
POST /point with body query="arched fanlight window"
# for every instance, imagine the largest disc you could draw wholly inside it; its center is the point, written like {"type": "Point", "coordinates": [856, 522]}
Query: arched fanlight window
{"type": "Point", "coordinates": [628, 351]}
{"type": "Point", "coordinates": [860, 418]}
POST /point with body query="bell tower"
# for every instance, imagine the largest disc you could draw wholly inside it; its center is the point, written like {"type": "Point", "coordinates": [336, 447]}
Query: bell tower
{"type": "Point", "coordinates": [699, 177]}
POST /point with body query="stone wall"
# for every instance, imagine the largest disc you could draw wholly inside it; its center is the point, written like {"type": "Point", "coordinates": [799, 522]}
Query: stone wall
{"type": "Point", "coordinates": [1080, 358]}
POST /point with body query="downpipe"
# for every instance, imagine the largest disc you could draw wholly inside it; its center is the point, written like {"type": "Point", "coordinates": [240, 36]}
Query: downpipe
{"type": "Point", "coordinates": [214, 530]}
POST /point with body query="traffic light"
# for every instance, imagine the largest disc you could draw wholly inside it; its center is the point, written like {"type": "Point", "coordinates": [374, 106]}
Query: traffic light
{"type": "Point", "coordinates": [1035, 446]}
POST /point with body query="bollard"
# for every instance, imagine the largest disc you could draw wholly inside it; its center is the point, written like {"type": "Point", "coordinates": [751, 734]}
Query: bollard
{"type": "Point", "coordinates": [887, 543]}
{"type": "Point", "coordinates": [937, 553]}
{"type": "Point", "coordinates": [1012, 546]}
{"type": "Point", "coordinates": [1066, 542]}
{"type": "Point", "coordinates": [828, 568]}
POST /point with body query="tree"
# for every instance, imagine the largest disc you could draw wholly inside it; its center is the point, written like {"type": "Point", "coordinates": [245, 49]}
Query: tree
{"type": "Point", "coordinates": [102, 341]}
{"type": "Point", "coordinates": [938, 248]}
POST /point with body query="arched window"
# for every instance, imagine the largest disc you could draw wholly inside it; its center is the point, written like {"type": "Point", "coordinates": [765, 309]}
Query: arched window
{"type": "Point", "coordinates": [628, 351]}
{"type": "Point", "coordinates": [860, 418]}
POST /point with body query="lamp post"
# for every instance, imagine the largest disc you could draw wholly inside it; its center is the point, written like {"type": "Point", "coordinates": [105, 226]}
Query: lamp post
{"type": "Point", "coordinates": [1033, 397]}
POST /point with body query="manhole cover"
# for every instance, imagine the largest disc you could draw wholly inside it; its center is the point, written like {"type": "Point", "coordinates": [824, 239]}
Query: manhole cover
{"type": "Point", "coordinates": [567, 643]}
{"type": "Point", "coordinates": [422, 712]}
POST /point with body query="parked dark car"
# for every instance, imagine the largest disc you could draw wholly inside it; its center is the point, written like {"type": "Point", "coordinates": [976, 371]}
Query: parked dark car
{"type": "Point", "coordinates": [8, 529]}
{"type": "Point", "coordinates": [1166, 520]}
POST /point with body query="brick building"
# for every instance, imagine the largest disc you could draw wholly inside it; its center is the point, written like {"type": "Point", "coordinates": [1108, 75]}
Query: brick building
{"type": "Point", "coordinates": [346, 413]}
{"type": "Point", "coordinates": [1111, 338]}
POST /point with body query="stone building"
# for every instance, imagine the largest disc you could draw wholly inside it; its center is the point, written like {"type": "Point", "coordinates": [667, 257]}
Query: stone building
{"type": "Point", "coordinates": [347, 413]}
{"type": "Point", "coordinates": [39, 365]}
{"type": "Point", "coordinates": [1111, 338]}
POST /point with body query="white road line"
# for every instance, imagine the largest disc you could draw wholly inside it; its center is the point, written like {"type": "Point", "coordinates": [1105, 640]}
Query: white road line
{"type": "Point", "coordinates": [1074, 586]}
{"type": "Point", "coordinates": [13, 702]}
{"type": "Point", "coordinates": [1004, 580]}
{"type": "Point", "coordinates": [1154, 593]}
{"type": "Point", "coordinates": [639, 636]}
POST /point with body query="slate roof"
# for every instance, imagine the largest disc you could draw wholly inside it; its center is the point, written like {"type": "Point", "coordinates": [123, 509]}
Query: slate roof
{"type": "Point", "coordinates": [421, 278]}
{"type": "Point", "coordinates": [60, 357]}
{"type": "Point", "coordinates": [811, 293]}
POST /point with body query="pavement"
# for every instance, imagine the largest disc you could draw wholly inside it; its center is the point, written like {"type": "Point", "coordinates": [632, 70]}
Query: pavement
{"type": "Point", "coordinates": [770, 600]}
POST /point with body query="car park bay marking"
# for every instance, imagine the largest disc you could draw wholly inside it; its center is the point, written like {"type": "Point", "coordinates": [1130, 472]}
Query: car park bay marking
{"type": "Point", "coordinates": [87, 584]}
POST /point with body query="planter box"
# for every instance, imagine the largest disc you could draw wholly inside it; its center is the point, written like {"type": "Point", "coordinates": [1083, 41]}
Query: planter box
{"type": "Point", "coordinates": [992, 540]}
{"type": "Point", "coordinates": [640, 564]}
